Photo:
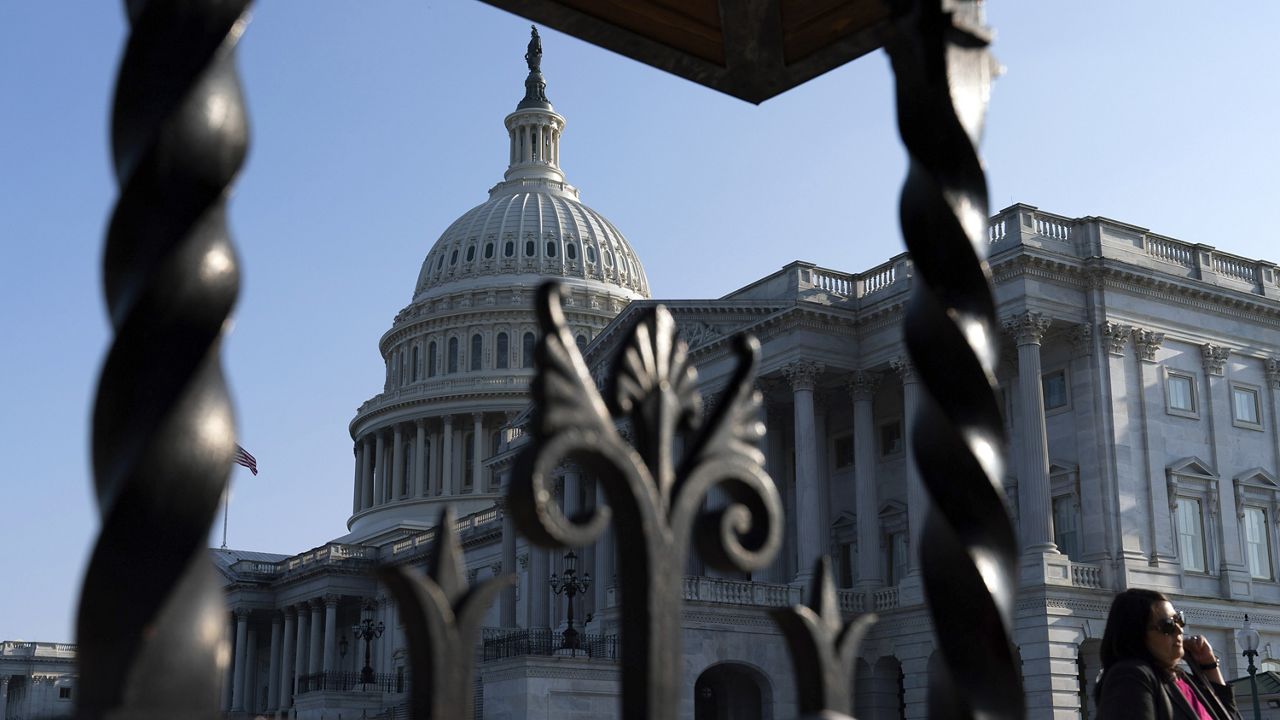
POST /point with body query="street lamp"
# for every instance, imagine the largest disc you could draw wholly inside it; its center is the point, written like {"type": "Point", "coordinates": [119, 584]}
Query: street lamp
{"type": "Point", "coordinates": [1249, 639]}
{"type": "Point", "coordinates": [569, 586]}
{"type": "Point", "coordinates": [367, 630]}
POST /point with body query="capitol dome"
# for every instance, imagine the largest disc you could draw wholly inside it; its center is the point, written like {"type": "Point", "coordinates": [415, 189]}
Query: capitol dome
{"type": "Point", "coordinates": [461, 355]}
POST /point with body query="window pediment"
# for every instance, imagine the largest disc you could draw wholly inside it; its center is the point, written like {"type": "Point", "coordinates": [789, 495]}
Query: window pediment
{"type": "Point", "coordinates": [1192, 467]}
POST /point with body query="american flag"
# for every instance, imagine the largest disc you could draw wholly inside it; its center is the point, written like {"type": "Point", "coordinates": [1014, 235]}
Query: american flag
{"type": "Point", "coordinates": [244, 458]}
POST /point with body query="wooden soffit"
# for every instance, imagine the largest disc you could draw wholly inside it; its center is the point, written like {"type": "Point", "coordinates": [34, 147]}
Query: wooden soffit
{"type": "Point", "coordinates": [750, 49]}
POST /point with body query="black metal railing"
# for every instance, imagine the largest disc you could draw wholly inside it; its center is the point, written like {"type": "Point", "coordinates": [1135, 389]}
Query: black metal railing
{"type": "Point", "coordinates": [502, 643]}
{"type": "Point", "coordinates": [349, 682]}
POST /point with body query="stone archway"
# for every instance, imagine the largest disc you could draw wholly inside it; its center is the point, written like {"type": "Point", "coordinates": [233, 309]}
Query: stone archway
{"type": "Point", "coordinates": [879, 692]}
{"type": "Point", "coordinates": [732, 691]}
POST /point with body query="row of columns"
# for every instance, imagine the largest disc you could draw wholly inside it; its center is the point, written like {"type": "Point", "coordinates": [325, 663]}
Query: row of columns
{"type": "Point", "coordinates": [381, 475]}
{"type": "Point", "coordinates": [304, 641]}
{"type": "Point", "coordinates": [543, 136]}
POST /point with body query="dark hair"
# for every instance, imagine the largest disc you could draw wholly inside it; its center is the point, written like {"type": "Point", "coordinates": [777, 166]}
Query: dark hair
{"type": "Point", "coordinates": [1126, 634]}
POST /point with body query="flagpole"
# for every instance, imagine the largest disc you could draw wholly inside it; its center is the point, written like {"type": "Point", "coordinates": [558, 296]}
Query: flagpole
{"type": "Point", "coordinates": [226, 504]}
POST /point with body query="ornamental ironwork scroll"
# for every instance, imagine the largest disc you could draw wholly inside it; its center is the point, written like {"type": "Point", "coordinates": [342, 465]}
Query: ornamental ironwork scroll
{"type": "Point", "coordinates": [654, 498]}
{"type": "Point", "coordinates": [152, 615]}
{"type": "Point", "coordinates": [968, 551]}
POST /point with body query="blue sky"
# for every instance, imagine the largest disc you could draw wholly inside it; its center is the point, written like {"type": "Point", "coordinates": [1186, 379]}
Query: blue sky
{"type": "Point", "coordinates": [375, 124]}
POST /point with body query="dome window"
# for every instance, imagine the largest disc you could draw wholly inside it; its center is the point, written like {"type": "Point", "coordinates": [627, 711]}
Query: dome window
{"type": "Point", "coordinates": [502, 354]}
{"type": "Point", "coordinates": [591, 254]}
{"type": "Point", "coordinates": [526, 350]}
{"type": "Point", "coordinates": [440, 264]}
{"type": "Point", "coordinates": [551, 248]}
{"type": "Point", "coordinates": [581, 341]}
{"type": "Point", "coordinates": [509, 250]}
{"type": "Point", "coordinates": [453, 258]}
{"type": "Point", "coordinates": [488, 251]}
{"type": "Point", "coordinates": [529, 248]}
{"type": "Point", "coordinates": [414, 370]}
{"type": "Point", "coordinates": [431, 359]}
{"type": "Point", "coordinates": [608, 259]}
{"type": "Point", "coordinates": [452, 366]}
{"type": "Point", "coordinates": [477, 351]}
{"type": "Point", "coordinates": [471, 253]}
{"type": "Point", "coordinates": [571, 251]}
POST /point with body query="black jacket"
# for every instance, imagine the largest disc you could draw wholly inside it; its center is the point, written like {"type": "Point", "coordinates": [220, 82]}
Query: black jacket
{"type": "Point", "coordinates": [1134, 689]}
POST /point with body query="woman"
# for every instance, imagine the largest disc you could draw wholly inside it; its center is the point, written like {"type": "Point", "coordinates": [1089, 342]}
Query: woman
{"type": "Point", "coordinates": [1141, 648]}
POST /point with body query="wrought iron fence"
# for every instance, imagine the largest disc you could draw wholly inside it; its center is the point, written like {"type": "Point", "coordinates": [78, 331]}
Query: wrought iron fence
{"type": "Point", "coordinates": [502, 643]}
{"type": "Point", "coordinates": [162, 412]}
{"type": "Point", "coordinates": [332, 681]}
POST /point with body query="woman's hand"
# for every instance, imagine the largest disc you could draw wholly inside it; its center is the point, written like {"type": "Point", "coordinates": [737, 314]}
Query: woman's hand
{"type": "Point", "coordinates": [1199, 650]}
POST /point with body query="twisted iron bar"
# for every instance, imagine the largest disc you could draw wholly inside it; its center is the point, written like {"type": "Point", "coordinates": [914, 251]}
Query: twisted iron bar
{"type": "Point", "coordinates": [152, 617]}
{"type": "Point", "coordinates": [658, 497]}
{"type": "Point", "coordinates": [968, 550]}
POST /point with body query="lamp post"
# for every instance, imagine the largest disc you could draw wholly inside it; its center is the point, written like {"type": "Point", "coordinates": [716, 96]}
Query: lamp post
{"type": "Point", "coordinates": [1249, 639]}
{"type": "Point", "coordinates": [367, 630]}
{"type": "Point", "coordinates": [569, 586]}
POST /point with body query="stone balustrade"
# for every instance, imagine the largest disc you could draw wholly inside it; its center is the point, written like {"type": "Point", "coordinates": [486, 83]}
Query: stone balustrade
{"type": "Point", "coordinates": [1086, 576]}
{"type": "Point", "coordinates": [699, 588]}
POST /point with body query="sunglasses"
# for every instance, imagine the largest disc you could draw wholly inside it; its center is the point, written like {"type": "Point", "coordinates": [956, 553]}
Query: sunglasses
{"type": "Point", "coordinates": [1171, 625]}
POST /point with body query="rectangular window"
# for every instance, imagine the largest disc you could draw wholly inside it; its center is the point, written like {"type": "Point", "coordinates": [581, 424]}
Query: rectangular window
{"type": "Point", "coordinates": [1244, 406]}
{"type": "Point", "coordinates": [64, 693]}
{"type": "Point", "coordinates": [848, 565]}
{"type": "Point", "coordinates": [1066, 526]}
{"type": "Point", "coordinates": [843, 451]}
{"type": "Point", "coordinates": [1054, 385]}
{"type": "Point", "coordinates": [1256, 545]}
{"type": "Point", "coordinates": [891, 438]}
{"type": "Point", "coordinates": [1191, 535]}
{"type": "Point", "coordinates": [1180, 394]}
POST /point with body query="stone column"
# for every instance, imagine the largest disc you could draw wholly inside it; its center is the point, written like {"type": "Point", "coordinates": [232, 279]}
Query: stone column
{"type": "Point", "coordinates": [862, 389]}
{"type": "Point", "coordinates": [286, 659]}
{"type": "Point", "coordinates": [316, 655]}
{"type": "Point", "coordinates": [300, 659]}
{"type": "Point", "coordinates": [358, 491]}
{"type": "Point", "coordinates": [1160, 521]}
{"type": "Point", "coordinates": [910, 588]}
{"type": "Point", "coordinates": [366, 473]}
{"type": "Point", "coordinates": [397, 463]}
{"type": "Point", "coordinates": [330, 633]}
{"type": "Point", "coordinates": [537, 591]}
{"type": "Point", "coordinates": [1035, 513]}
{"type": "Point", "coordinates": [507, 608]}
{"type": "Point", "coordinates": [238, 668]}
{"type": "Point", "coordinates": [447, 484]}
{"type": "Point", "coordinates": [4, 696]}
{"type": "Point", "coordinates": [477, 453]}
{"type": "Point", "coordinates": [1234, 575]}
{"type": "Point", "coordinates": [803, 374]}
{"type": "Point", "coordinates": [251, 673]}
{"type": "Point", "coordinates": [434, 483]}
{"type": "Point", "coordinates": [603, 559]}
{"type": "Point", "coordinates": [420, 459]}
{"type": "Point", "coordinates": [380, 469]}
{"type": "Point", "coordinates": [273, 664]}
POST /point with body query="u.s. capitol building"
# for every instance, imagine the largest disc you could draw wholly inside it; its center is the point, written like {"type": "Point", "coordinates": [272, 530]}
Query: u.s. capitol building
{"type": "Point", "coordinates": [1141, 388]}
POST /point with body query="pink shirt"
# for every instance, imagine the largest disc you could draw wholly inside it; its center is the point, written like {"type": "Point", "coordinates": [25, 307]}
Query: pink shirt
{"type": "Point", "coordinates": [1184, 687]}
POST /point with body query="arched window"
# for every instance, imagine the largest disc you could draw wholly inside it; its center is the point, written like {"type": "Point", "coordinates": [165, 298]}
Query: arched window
{"type": "Point", "coordinates": [551, 248]}
{"type": "Point", "coordinates": [529, 248]}
{"type": "Point", "coordinates": [477, 351]}
{"type": "Point", "coordinates": [501, 353]}
{"type": "Point", "coordinates": [591, 254]}
{"type": "Point", "coordinates": [526, 350]}
{"type": "Point", "coordinates": [431, 359]}
{"type": "Point", "coordinates": [571, 251]}
{"type": "Point", "coordinates": [581, 340]}
{"type": "Point", "coordinates": [440, 264]}
{"type": "Point", "coordinates": [453, 257]}
{"type": "Point", "coordinates": [509, 250]}
{"type": "Point", "coordinates": [414, 371]}
{"type": "Point", "coordinates": [488, 251]}
{"type": "Point", "coordinates": [471, 253]}
{"type": "Point", "coordinates": [453, 355]}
